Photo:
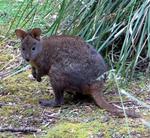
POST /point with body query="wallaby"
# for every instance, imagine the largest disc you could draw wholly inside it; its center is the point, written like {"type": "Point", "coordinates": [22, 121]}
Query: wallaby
{"type": "Point", "coordinates": [70, 62]}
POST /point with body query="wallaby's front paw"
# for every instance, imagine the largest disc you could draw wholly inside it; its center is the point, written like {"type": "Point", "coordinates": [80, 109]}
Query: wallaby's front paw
{"type": "Point", "coordinates": [49, 103]}
{"type": "Point", "coordinates": [34, 74]}
{"type": "Point", "coordinates": [38, 79]}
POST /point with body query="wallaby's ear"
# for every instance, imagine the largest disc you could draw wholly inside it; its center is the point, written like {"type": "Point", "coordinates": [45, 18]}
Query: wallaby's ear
{"type": "Point", "coordinates": [20, 33]}
{"type": "Point", "coordinates": [36, 32]}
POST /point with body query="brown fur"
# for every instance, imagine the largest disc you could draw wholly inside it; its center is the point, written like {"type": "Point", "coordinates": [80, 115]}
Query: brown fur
{"type": "Point", "coordinates": [71, 64]}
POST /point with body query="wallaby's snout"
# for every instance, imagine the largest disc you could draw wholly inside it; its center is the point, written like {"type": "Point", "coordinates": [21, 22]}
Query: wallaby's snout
{"type": "Point", "coordinates": [27, 59]}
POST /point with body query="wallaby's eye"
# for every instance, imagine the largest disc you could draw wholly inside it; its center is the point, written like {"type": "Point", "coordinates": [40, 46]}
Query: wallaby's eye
{"type": "Point", "coordinates": [33, 48]}
{"type": "Point", "coordinates": [23, 49]}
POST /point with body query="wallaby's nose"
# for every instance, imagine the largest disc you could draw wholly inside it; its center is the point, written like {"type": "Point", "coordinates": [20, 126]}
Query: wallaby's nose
{"type": "Point", "coordinates": [27, 59]}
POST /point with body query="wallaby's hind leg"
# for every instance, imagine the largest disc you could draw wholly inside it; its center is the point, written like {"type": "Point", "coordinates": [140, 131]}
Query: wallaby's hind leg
{"type": "Point", "coordinates": [96, 91]}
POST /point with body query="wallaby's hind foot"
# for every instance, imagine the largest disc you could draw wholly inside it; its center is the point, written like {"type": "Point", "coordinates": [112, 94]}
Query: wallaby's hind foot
{"type": "Point", "coordinates": [49, 103]}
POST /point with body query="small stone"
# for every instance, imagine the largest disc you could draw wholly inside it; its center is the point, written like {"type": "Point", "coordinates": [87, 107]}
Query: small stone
{"type": "Point", "coordinates": [135, 134]}
{"type": "Point", "coordinates": [88, 108]}
{"type": "Point", "coordinates": [98, 135]}
{"type": "Point", "coordinates": [117, 135]}
{"type": "Point", "coordinates": [105, 118]}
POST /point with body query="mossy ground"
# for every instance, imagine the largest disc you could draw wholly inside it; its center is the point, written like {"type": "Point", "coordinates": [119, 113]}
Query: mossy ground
{"type": "Point", "coordinates": [19, 97]}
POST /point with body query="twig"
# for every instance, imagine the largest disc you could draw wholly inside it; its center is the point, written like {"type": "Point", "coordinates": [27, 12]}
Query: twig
{"type": "Point", "coordinates": [117, 102]}
{"type": "Point", "coordinates": [9, 72]}
{"type": "Point", "coordinates": [8, 63]}
{"type": "Point", "coordinates": [2, 104]}
{"type": "Point", "coordinates": [23, 130]}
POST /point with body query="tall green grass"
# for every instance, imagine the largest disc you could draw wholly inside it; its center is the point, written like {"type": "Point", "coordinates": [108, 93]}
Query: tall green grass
{"type": "Point", "coordinates": [31, 13]}
{"type": "Point", "coordinates": [118, 29]}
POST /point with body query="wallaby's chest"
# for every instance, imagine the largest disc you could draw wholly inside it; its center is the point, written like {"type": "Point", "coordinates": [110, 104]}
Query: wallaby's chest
{"type": "Point", "coordinates": [34, 64]}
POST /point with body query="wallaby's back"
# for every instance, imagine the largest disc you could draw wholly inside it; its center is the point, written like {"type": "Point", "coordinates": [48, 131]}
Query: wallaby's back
{"type": "Point", "coordinates": [74, 57]}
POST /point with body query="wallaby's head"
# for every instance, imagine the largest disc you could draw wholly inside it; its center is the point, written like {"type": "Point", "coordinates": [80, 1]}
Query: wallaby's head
{"type": "Point", "coordinates": [31, 46]}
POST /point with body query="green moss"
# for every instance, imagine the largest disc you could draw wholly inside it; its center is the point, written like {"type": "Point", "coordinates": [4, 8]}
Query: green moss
{"type": "Point", "coordinates": [14, 135]}
{"type": "Point", "coordinates": [8, 110]}
{"type": "Point", "coordinates": [7, 135]}
{"type": "Point", "coordinates": [30, 112]}
{"type": "Point", "coordinates": [73, 130]}
{"type": "Point", "coordinates": [84, 130]}
{"type": "Point", "coordinates": [23, 94]}
{"type": "Point", "coordinates": [30, 136]}
{"type": "Point", "coordinates": [21, 89]}
{"type": "Point", "coordinates": [5, 57]}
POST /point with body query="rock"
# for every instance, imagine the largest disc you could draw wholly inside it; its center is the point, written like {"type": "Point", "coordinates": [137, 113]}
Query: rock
{"type": "Point", "coordinates": [30, 76]}
{"type": "Point", "coordinates": [105, 118]}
